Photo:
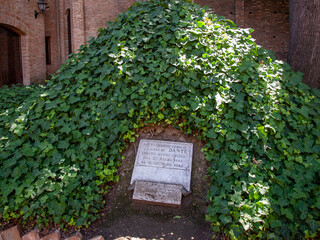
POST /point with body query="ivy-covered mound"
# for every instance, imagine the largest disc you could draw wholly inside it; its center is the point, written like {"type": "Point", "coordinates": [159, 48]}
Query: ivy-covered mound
{"type": "Point", "coordinates": [169, 62]}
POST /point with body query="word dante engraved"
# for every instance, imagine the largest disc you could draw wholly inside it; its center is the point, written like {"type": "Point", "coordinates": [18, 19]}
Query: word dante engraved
{"type": "Point", "coordinates": [163, 162]}
{"type": "Point", "coordinates": [164, 155]}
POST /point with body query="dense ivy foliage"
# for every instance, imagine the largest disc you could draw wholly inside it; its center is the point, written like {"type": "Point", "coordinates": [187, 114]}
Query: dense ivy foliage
{"type": "Point", "coordinates": [168, 62]}
{"type": "Point", "coordinates": [12, 98]}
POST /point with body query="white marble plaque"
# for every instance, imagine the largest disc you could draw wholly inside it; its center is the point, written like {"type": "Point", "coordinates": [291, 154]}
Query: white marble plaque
{"type": "Point", "coordinates": [163, 162]}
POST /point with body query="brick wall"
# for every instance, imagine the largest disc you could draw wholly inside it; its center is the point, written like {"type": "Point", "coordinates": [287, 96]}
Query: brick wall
{"type": "Point", "coordinates": [103, 11]}
{"type": "Point", "coordinates": [90, 15]}
{"type": "Point", "coordinates": [269, 19]}
{"type": "Point", "coordinates": [19, 17]}
{"type": "Point", "coordinates": [64, 7]}
{"type": "Point", "coordinates": [51, 31]}
{"type": "Point", "coordinates": [78, 27]}
{"type": "Point", "coordinates": [124, 5]}
{"type": "Point", "coordinates": [224, 8]}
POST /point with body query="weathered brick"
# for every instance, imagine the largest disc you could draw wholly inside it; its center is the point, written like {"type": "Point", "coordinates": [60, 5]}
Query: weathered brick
{"type": "Point", "coordinates": [53, 236]}
{"type": "Point", "coordinates": [77, 236]}
{"type": "Point", "coordinates": [269, 19]}
{"type": "Point", "coordinates": [11, 234]}
{"type": "Point", "coordinates": [33, 235]}
{"type": "Point", "coordinates": [21, 20]}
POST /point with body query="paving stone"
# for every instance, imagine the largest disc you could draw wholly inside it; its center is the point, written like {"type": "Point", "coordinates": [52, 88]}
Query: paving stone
{"type": "Point", "coordinates": [33, 235]}
{"type": "Point", "coordinates": [98, 238]}
{"type": "Point", "coordinates": [53, 236]}
{"type": "Point", "coordinates": [1, 236]}
{"type": "Point", "coordinates": [11, 234]}
{"type": "Point", "coordinates": [77, 236]}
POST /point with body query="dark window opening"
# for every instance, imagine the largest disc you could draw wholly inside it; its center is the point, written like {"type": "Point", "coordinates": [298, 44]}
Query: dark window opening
{"type": "Point", "coordinates": [10, 57]}
{"type": "Point", "coordinates": [48, 50]}
{"type": "Point", "coordinates": [69, 32]}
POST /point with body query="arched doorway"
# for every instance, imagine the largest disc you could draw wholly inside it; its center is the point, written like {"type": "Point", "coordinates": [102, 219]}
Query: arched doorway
{"type": "Point", "coordinates": [10, 57]}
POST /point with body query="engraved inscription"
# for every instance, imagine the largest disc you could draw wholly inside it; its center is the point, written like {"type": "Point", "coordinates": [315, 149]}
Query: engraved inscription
{"type": "Point", "coordinates": [164, 154]}
{"type": "Point", "coordinates": [163, 162]}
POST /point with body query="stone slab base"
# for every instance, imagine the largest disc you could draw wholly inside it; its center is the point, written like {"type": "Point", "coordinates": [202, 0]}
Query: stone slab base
{"type": "Point", "coordinates": [157, 193]}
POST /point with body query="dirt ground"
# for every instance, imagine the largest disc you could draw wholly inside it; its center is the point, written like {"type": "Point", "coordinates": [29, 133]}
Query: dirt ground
{"type": "Point", "coordinates": [122, 218]}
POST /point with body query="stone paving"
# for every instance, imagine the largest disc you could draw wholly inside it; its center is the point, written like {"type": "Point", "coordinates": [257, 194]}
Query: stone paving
{"type": "Point", "coordinates": [14, 234]}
